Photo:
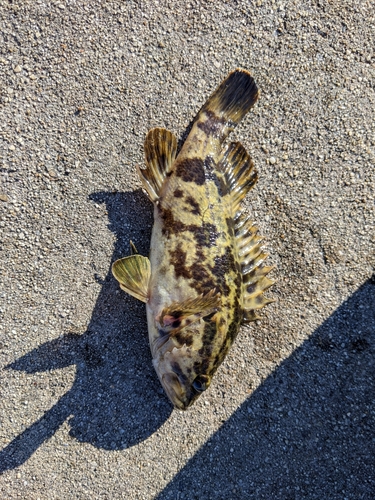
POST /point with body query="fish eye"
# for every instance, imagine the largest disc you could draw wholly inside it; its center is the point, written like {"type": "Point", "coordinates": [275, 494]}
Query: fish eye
{"type": "Point", "coordinates": [201, 383]}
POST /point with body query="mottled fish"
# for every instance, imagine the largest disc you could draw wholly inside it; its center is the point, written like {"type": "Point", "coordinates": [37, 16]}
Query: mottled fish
{"type": "Point", "coordinates": [205, 274]}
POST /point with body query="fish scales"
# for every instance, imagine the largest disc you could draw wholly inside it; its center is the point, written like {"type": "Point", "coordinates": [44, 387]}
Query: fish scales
{"type": "Point", "coordinates": [205, 274]}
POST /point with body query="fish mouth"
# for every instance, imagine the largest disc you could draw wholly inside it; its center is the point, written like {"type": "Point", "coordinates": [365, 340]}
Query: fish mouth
{"type": "Point", "coordinates": [177, 386]}
{"type": "Point", "coordinates": [175, 391]}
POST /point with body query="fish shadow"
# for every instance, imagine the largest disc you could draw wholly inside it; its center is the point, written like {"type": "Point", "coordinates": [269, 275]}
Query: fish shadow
{"type": "Point", "coordinates": [116, 400]}
{"type": "Point", "coordinates": [308, 431]}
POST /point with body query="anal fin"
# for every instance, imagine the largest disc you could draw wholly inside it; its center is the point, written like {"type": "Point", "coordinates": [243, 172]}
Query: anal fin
{"type": "Point", "coordinates": [133, 273]}
{"type": "Point", "coordinates": [160, 153]}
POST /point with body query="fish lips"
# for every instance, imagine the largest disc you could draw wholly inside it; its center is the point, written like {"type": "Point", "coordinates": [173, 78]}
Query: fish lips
{"type": "Point", "coordinates": [176, 392]}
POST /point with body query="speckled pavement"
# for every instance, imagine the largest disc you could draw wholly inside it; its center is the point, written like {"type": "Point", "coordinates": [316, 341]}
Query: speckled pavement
{"type": "Point", "coordinates": [290, 414]}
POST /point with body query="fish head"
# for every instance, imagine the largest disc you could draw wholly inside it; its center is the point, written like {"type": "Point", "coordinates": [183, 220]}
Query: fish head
{"type": "Point", "coordinates": [182, 366]}
{"type": "Point", "coordinates": [183, 337]}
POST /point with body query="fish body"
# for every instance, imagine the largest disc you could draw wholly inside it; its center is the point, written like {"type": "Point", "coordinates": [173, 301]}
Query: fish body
{"type": "Point", "coordinates": [205, 274]}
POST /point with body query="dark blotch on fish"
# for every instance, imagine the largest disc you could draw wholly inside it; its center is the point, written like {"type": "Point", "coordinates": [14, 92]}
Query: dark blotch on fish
{"type": "Point", "coordinates": [176, 314]}
{"type": "Point", "coordinates": [209, 332]}
{"type": "Point", "coordinates": [237, 318]}
{"type": "Point", "coordinates": [204, 365]}
{"type": "Point", "coordinates": [209, 316]}
{"type": "Point", "coordinates": [221, 354]}
{"type": "Point", "coordinates": [178, 193]}
{"type": "Point", "coordinates": [191, 170]}
{"type": "Point", "coordinates": [178, 261]}
{"type": "Point", "coordinates": [183, 337]}
{"type": "Point", "coordinates": [202, 280]}
{"type": "Point", "coordinates": [171, 225]}
{"type": "Point", "coordinates": [212, 175]}
{"type": "Point", "coordinates": [213, 126]}
{"type": "Point", "coordinates": [251, 288]}
{"type": "Point", "coordinates": [238, 283]}
{"type": "Point", "coordinates": [194, 204]}
{"type": "Point", "coordinates": [200, 274]}
{"type": "Point", "coordinates": [205, 235]}
{"type": "Point", "coordinates": [223, 265]}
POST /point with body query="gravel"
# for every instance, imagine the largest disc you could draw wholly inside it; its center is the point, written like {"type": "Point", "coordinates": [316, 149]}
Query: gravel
{"type": "Point", "coordinates": [291, 412]}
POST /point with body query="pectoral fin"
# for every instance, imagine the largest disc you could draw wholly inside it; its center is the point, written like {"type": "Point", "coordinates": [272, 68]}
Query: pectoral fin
{"type": "Point", "coordinates": [133, 273]}
{"type": "Point", "coordinates": [180, 314]}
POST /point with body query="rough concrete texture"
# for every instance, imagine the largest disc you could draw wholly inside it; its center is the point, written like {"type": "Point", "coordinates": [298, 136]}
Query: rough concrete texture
{"type": "Point", "coordinates": [290, 414]}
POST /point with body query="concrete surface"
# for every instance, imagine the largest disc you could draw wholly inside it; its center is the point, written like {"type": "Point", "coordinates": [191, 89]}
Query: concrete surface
{"type": "Point", "coordinates": [291, 413]}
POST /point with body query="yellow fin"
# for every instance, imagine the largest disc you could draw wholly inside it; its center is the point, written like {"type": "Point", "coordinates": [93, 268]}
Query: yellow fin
{"type": "Point", "coordinates": [133, 273]}
{"type": "Point", "coordinates": [249, 247]}
{"type": "Point", "coordinates": [256, 283]}
{"type": "Point", "coordinates": [250, 316]}
{"type": "Point", "coordinates": [180, 314]}
{"type": "Point", "coordinates": [160, 153]}
{"type": "Point", "coordinates": [252, 256]}
{"type": "Point", "coordinates": [257, 274]}
{"type": "Point", "coordinates": [257, 302]}
{"type": "Point", "coordinates": [239, 172]}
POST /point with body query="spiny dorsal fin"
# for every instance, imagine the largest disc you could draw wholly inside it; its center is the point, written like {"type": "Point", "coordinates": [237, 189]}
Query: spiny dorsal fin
{"type": "Point", "coordinates": [255, 284]}
{"type": "Point", "coordinates": [257, 302]}
{"type": "Point", "coordinates": [239, 171]}
{"type": "Point", "coordinates": [253, 295]}
{"type": "Point", "coordinates": [252, 256]}
{"type": "Point", "coordinates": [230, 102]}
{"type": "Point", "coordinates": [133, 273]}
{"type": "Point", "coordinates": [180, 314]}
{"type": "Point", "coordinates": [160, 153]}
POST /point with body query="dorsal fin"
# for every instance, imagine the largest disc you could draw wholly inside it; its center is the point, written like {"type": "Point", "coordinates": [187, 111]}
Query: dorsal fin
{"type": "Point", "coordinates": [239, 171]}
{"type": "Point", "coordinates": [160, 153]}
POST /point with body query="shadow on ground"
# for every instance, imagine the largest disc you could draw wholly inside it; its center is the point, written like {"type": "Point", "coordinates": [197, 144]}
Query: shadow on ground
{"type": "Point", "coordinates": [308, 431]}
{"type": "Point", "coordinates": [116, 400]}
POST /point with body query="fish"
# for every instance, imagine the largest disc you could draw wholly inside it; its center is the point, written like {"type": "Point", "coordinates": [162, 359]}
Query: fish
{"type": "Point", "coordinates": [205, 274]}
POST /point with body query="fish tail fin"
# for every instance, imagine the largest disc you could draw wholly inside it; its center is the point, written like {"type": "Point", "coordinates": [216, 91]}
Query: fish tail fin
{"type": "Point", "coordinates": [230, 102]}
